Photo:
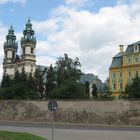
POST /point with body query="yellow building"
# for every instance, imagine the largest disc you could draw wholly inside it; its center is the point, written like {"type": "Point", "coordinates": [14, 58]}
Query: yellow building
{"type": "Point", "coordinates": [124, 67]}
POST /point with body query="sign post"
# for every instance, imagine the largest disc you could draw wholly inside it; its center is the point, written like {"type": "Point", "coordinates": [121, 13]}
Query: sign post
{"type": "Point", "coordinates": [52, 106]}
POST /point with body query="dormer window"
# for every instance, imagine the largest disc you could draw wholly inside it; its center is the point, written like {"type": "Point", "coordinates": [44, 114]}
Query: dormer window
{"type": "Point", "coordinates": [136, 48]}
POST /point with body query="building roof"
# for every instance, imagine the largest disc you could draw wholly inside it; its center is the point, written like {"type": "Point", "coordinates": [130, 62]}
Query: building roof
{"type": "Point", "coordinates": [117, 61]}
{"type": "Point", "coordinates": [118, 58]}
{"type": "Point", "coordinates": [130, 47]}
{"type": "Point", "coordinates": [88, 78]}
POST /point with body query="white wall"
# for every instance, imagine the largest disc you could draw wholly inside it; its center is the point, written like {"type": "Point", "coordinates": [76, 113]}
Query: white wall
{"type": "Point", "coordinates": [10, 71]}
{"type": "Point", "coordinates": [28, 50]}
{"type": "Point", "coordinates": [9, 54]}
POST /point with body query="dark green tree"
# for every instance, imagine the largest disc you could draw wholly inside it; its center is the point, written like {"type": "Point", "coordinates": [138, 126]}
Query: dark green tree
{"type": "Point", "coordinates": [23, 77]}
{"type": "Point", "coordinates": [6, 81]}
{"type": "Point", "coordinates": [40, 86]}
{"type": "Point", "coordinates": [87, 88]}
{"type": "Point", "coordinates": [50, 81]}
{"type": "Point", "coordinates": [71, 90]}
{"type": "Point", "coordinates": [133, 89]}
{"type": "Point", "coordinates": [17, 77]}
{"type": "Point", "coordinates": [67, 69]}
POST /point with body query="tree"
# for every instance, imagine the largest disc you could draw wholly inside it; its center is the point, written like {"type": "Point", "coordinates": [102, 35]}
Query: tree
{"type": "Point", "coordinates": [94, 91]}
{"type": "Point", "coordinates": [6, 81]}
{"type": "Point", "coordinates": [87, 88]}
{"type": "Point", "coordinates": [133, 89]}
{"type": "Point", "coordinates": [71, 90]}
{"type": "Point", "coordinates": [19, 87]}
{"type": "Point", "coordinates": [67, 69]}
{"type": "Point", "coordinates": [40, 86]}
{"type": "Point", "coordinates": [23, 76]}
{"type": "Point", "coordinates": [50, 81]}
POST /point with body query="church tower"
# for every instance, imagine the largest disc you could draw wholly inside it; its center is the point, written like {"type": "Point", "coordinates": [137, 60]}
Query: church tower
{"type": "Point", "coordinates": [28, 45]}
{"type": "Point", "coordinates": [10, 49]}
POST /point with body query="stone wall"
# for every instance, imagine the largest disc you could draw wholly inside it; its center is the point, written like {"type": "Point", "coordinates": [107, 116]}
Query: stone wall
{"type": "Point", "coordinates": [88, 112]}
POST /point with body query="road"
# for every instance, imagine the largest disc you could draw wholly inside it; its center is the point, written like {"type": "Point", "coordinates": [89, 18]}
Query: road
{"type": "Point", "coordinates": [75, 132]}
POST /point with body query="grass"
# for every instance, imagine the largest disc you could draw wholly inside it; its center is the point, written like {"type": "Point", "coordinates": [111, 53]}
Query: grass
{"type": "Point", "coordinates": [5, 135]}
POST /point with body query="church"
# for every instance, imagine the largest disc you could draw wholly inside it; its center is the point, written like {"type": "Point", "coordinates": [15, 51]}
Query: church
{"type": "Point", "coordinates": [13, 62]}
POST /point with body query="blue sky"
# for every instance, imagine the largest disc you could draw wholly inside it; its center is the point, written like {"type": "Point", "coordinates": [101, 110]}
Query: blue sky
{"type": "Point", "coordinates": [16, 13]}
{"type": "Point", "coordinates": [89, 29]}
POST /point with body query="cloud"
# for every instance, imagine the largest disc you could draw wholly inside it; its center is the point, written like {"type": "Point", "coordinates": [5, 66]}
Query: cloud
{"type": "Point", "coordinates": [79, 3]}
{"type": "Point", "coordinates": [93, 37]}
{"type": "Point", "coordinates": [13, 1]}
{"type": "Point", "coordinates": [3, 31]}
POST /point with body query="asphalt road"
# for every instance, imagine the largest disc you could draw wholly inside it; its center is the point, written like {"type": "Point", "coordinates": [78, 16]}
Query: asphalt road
{"type": "Point", "coordinates": [75, 132]}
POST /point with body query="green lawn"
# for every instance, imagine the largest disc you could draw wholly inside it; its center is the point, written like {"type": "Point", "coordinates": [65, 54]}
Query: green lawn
{"type": "Point", "coordinates": [4, 135]}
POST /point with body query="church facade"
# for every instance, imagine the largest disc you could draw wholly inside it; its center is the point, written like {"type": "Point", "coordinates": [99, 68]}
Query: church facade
{"type": "Point", "coordinates": [27, 59]}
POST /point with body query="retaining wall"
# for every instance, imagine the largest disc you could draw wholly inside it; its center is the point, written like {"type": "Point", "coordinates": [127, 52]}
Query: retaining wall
{"type": "Point", "coordinates": [88, 112]}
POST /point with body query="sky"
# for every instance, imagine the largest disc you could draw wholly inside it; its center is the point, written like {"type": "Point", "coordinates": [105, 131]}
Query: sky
{"type": "Point", "coordinates": [91, 30]}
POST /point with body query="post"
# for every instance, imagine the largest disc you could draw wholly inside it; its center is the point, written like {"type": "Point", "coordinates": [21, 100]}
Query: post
{"type": "Point", "coordinates": [52, 122]}
{"type": "Point", "coordinates": [52, 106]}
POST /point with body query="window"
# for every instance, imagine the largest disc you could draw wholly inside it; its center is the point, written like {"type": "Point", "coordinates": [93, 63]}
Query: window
{"type": "Point", "coordinates": [129, 60]}
{"type": "Point", "coordinates": [121, 86]}
{"type": "Point", "coordinates": [114, 86]}
{"type": "Point", "coordinates": [13, 55]}
{"type": "Point", "coordinates": [135, 47]}
{"type": "Point", "coordinates": [129, 74]}
{"type": "Point", "coordinates": [113, 75]}
{"type": "Point", "coordinates": [32, 50]}
{"type": "Point", "coordinates": [136, 60]}
{"type": "Point", "coordinates": [136, 73]}
{"type": "Point", "coordinates": [5, 54]}
{"type": "Point", "coordinates": [120, 74]}
{"type": "Point", "coordinates": [24, 51]}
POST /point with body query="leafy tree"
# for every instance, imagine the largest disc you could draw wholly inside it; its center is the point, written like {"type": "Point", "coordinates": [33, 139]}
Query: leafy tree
{"type": "Point", "coordinates": [94, 91]}
{"type": "Point", "coordinates": [50, 81]}
{"type": "Point", "coordinates": [6, 81]}
{"type": "Point", "coordinates": [71, 90]}
{"type": "Point", "coordinates": [23, 77]}
{"type": "Point", "coordinates": [31, 86]}
{"type": "Point", "coordinates": [40, 86]}
{"type": "Point", "coordinates": [19, 87]}
{"type": "Point", "coordinates": [87, 88]}
{"type": "Point", "coordinates": [67, 69]}
{"type": "Point", "coordinates": [17, 77]}
{"type": "Point", "coordinates": [133, 89]}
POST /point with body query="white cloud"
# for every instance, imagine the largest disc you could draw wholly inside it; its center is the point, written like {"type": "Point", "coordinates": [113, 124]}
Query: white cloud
{"type": "Point", "coordinates": [3, 31]}
{"type": "Point", "coordinates": [13, 1]}
{"type": "Point", "coordinates": [79, 3]}
{"type": "Point", "coordinates": [93, 37]}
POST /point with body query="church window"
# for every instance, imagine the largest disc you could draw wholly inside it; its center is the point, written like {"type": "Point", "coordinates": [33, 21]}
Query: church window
{"type": "Point", "coordinates": [32, 50]}
{"type": "Point", "coordinates": [6, 54]}
{"type": "Point", "coordinates": [13, 55]}
{"type": "Point", "coordinates": [24, 51]}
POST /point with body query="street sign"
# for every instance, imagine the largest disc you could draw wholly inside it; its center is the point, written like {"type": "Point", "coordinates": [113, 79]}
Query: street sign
{"type": "Point", "coordinates": [52, 105]}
